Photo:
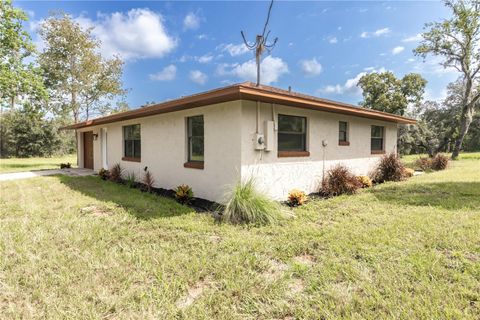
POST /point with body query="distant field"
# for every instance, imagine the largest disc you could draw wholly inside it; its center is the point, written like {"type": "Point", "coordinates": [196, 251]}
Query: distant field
{"type": "Point", "coordinates": [27, 164]}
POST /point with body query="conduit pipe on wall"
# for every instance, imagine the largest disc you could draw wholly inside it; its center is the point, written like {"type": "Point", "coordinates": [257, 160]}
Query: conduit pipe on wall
{"type": "Point", "coordinates": [258, 116]}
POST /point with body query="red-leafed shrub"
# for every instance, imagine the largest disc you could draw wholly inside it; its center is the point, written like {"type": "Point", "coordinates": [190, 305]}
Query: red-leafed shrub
{"type": "Point", "coordinates": [390, 168]}
{"type": "Point", "coordinates": [339, 180]}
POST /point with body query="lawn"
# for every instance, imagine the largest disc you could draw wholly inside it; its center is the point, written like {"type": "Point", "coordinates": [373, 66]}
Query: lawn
{"type": "Point", "coordinates": [79, 247]}
{"type": "Point", "coordinates": [27, 164]}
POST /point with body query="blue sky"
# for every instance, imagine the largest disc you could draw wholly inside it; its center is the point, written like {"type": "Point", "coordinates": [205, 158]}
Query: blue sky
{"type": "Point", "coordinates": [179, 48]}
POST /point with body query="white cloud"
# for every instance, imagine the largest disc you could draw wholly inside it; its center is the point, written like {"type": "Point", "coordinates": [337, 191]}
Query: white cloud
{"type": "Point", "coordinates": [139, 33]}
{"type": "Point", "coordinates": [349, 87]}
{"type": "Point", "coordinates": [168, 73]}
{"type": "Point", "coordinates": [311, 67]}
{"type": "Point", "coordinates": [333, 40]}
{"type": "Point", "coordinates": [376, 33]}
{"type": "Point", "coordinates": [415, 38]}
{"type": "Point", "coordinates": [206, 58]}
{"type": "Point", "coordinates": [233, 49]}
{"type": "Point", "coordinates": [397, 50]}
{"type": "Point", "coordinates": [198, 76]}
{"type": "Point", "coordinates": [191, 21]}
{"type": "Point", "coordinates": [271, 69]}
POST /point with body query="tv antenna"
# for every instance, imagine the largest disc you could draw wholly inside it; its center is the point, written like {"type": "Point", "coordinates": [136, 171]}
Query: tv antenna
{"type": "Point", "coordinates": [260, 44]}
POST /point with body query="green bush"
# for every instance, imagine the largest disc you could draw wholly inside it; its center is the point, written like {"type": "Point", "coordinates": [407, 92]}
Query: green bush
{"type": "Point", "coordinates": [130, 179]}
{"type": "Point", "coordinates": [246, 205]}
{"type": "Point", "coordinates": [104, 174]}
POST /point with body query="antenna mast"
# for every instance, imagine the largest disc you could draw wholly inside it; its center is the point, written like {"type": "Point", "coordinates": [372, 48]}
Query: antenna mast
{"type": "Point", "coordinates": [260, 44]}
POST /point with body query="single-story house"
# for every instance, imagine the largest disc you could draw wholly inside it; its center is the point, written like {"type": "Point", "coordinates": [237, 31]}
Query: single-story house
{"type": "Point", "coordinates": [211, 140]}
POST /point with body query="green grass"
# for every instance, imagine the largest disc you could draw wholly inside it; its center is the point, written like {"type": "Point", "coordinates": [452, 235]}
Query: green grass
{"type": "Point", "coordinates": [27, 164]}
{"type": "Point", "coordinates": [79, 247]}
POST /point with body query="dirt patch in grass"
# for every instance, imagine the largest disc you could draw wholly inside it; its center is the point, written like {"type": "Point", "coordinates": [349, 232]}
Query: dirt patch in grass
{"type": "Point", "coordinates": [275, 271]}
{"type": "Point", "coordinates": [193, 293]}
{"type": "Point", "coordinates": [295, 287]}
{"type": "Point", "coordinates": [96, 211]}
{"type": "Point", "coordinates": [305, 259]}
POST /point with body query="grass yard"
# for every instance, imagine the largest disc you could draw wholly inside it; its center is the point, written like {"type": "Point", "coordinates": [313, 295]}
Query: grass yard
{"type": "Point", "coordinates": [79, 247]}
{"type": "Point", "coordinates": [27, 164]}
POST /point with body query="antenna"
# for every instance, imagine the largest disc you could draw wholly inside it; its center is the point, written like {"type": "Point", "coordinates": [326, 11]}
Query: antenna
{"type": "Point", "coordinates": [260, 44]}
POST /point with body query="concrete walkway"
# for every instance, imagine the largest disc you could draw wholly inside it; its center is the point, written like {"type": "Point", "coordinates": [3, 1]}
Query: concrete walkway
{"type": "Point", "coordinates": [32, 174]}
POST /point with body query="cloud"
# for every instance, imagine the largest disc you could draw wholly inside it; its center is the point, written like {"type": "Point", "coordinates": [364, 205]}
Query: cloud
{"type": "Point", "coordinates": [333, 40]}
{"type": "Point", "coordinates": [311, 67]}
{"type": "Point", "coordinates": [137, 34]}
{"type": "Point", "coordinates": [233, 49]}
{"type": "Point", "coordinates": [191, 21]}
{"type": "Point", "coordinates": [168, 73]}
{"type": "Point", "coordinates": [198, 76]}
{"type": "Point", "coordinates": [271, 69]}
{"type": "Point", "coordinates": [349, 87]}
{"type": "Point", "coordinates": [376, 33]}
{"type": "Point", "coordinates": [416, 38]}
{"type": "Point", "coordinates": [206, 58]}
{"type": "Point", "coordinates": [397, 50]}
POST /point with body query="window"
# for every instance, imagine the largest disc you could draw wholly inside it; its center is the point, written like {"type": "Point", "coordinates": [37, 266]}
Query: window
{"type": "Point", "coordinates": [195, 140]}
{"type": "Point", "coordinates": [343, 133]}
{"type": "Point", "coordinates": [131, 143]}
{"type": "Point", "coordinates": [292, 136]}
{"type": "Point", "coordinates": [377, 139]}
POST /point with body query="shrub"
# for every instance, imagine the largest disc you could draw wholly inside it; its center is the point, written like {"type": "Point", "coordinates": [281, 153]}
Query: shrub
{"type": "Point", "coordinates": [296, 198]}
{"type": "Point", "coordinates": [390, 168]}
{"type": "Point", "coordinates": [365, 181]}
{"type": "Point", "coordinates": [116, 173]}
{"type": "Point", "coordinates": [148, 181]}
{"type": "Point", "coordinates": [339, 180]}
{"type": "Point", "coordinates": [424, 164]}
{"type": "Point", "coordinates": [67, 165]}
{"type": "Point", "coordinates": [130, 180]}
{"type": "Point", "coordinates": [247, 205]}
{"type": "Point", "coordinates": [407, 172]}
{"type": "Point", "coordinates": [184, 194]}
{"type": "Point", "coordinates": [104, 174]}
{"type": "Point", "coordinates": [440, 162]}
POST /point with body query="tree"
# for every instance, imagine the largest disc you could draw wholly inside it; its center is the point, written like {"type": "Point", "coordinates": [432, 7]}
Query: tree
{"type": "Point", "coordinates": [457, 40]}
{"type": "Point", "coordinates": [385, 92]}
{"type": "Point", "coordinates": [81, 82]}
{"type": "Point", "coordinates": [18, 79]}
{"type": "Point", "coordinates": [28, 134]}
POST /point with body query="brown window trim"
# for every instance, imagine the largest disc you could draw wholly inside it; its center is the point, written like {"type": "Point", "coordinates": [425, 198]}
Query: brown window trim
{"type": "Point", "coordinates": [378, 151]}
{"type": "Point", "coordinates": [343, 143]}
{"type": "Point", "coordinates": [194, 165]}
{"type": "Point", "coordinates": [131, 159]}
{"type": "Point", "coordinates": [287, 154]}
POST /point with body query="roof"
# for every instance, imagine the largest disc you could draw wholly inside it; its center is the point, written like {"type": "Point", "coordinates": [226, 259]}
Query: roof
{"type": "Point", "coordinates": [246, 91]}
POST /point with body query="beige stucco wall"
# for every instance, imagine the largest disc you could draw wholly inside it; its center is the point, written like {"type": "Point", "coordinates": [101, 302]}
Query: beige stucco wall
{"type": "Point", "coordinates": [164, 149]}
{"type": "Point", "coordinates": [229, 149]}
{"type": "Point", "coordinates": [277, 176]}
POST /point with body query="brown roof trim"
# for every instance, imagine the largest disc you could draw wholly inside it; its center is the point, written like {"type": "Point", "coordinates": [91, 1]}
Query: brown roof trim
{"type": "Point", "coordinates": [245, 91]}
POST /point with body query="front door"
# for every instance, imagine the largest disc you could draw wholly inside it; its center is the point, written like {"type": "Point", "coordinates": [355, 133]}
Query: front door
{"type": "Point", "coordinates": [88, 149]}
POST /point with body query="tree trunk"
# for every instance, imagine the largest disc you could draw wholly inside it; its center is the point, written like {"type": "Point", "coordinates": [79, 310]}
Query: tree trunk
{"type": "Point", "coordinates": [466, 120]}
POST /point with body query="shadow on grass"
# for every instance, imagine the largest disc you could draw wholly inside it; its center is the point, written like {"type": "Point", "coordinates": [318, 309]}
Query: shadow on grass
{"type": "Point", "coordinates": [140, 204]}
{"type": "Point", "coordinates": [446, 195]}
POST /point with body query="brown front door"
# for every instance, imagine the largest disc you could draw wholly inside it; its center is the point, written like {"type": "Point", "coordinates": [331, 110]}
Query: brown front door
{"type": "Point", "coordinates": [88, 149]}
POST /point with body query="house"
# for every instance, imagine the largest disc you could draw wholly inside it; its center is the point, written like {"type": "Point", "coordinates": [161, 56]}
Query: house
{"type": "Point", "coordinates": [209, 140]}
